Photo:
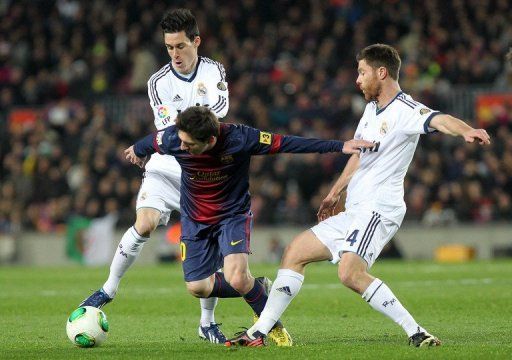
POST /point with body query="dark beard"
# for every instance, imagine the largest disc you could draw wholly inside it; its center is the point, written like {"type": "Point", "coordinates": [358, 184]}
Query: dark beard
{"type": "Point", "coordinates": [373, 93]}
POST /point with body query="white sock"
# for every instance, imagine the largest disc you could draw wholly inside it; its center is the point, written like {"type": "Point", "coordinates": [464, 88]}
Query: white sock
{"type": "Point", "coordinates": [286, 286]}
{"type": "Point", "coordinates": [126, 253]}
{"type": "Point", "coordinates": [381, 298]}
{"type": "Point", "coordinates": [208, 310]}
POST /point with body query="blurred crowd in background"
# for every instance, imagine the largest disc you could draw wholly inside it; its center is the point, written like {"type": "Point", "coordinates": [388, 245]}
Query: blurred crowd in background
{"type": "Point", "coordinates": [291, 69]}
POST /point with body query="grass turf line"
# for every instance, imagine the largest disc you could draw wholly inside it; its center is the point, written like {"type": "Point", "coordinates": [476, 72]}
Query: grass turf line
{"type": "Point", "coordinates": [466, 305]}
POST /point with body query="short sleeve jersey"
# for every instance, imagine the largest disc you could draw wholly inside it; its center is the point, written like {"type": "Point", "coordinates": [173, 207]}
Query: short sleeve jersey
{"type": "Point", "coordinates": [378, 184]}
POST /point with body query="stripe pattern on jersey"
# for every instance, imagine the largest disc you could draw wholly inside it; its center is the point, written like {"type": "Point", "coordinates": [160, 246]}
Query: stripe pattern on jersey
{"type": "Point", "coordinates": [153, 93]}
{"type": "Point", "coordinates": [368, 234]}
{"type": "Point", "coordinates": [411, 103]}
{"type": "Point", "coordinates": [220, 104]}
{"type": "Point", "coordinates": [219, 66]}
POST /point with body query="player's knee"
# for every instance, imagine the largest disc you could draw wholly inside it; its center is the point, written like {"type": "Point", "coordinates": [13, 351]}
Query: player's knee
{"type": "Point", "coordinates": [145, 224]}
{"type": "Point", "coordinates": [292, 258]}
{"type": "Point", "coordinates": [198, 290]}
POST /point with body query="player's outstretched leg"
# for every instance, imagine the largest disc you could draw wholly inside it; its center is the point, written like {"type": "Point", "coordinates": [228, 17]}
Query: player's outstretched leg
{"type": "Point", "coordinates": [353, 274]}
{"type": "Point", "coordinates": [278, 334]}
{"type": "Point", "coordinates": [304, 249]}
{"type": "Point", "coordinates": [257, 297]}
{"type": "Point", "coordinates": [126, 253]}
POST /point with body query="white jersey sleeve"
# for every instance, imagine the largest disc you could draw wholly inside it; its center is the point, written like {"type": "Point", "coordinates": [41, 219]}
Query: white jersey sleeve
{"type": "Point", "coordinates": [217, 89]}
{"type": "Point", "coordinates": [160, 98]}
{"type": "Point", "coordinates": [418, 117]}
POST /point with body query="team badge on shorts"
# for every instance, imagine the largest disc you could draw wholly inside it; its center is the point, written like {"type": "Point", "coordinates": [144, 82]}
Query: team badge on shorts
{"type": "Point", "coordinates": [221, 86]}
{"type": "Point", "coordinates": [424, 111]}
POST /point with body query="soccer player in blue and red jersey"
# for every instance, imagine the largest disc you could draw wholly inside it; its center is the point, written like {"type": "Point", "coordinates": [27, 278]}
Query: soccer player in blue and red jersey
{"type": "Point", "coordinates": [215, 201]}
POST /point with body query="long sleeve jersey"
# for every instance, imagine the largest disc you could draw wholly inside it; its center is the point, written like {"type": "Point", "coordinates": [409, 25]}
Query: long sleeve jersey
{"type": "Point", "coordinates": [215, 184]}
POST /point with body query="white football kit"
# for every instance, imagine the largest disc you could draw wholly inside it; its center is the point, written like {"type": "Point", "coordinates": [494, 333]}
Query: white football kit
{"type": "Point", "coordinates": [375, 207]}
{"type": "Point", "coordinates": [170, 93]}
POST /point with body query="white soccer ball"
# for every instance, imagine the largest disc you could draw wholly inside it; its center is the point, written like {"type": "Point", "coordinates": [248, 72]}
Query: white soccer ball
{"type": "Point", "coordinates": [87, 326]}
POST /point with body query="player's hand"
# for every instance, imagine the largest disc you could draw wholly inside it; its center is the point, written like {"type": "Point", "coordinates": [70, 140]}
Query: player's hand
{"type": "Point", "coordinates": [327, 207]}
{"type": "Point", "coordinates": [354, 146]}
{"type": "Point", "coordinates": [479, 134]}
{"type": "Point", "coordinates": [134, 159]}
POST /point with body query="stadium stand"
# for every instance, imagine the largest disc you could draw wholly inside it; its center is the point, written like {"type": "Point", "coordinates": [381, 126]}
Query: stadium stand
{"type": "Point", "coordinates": [72, 97]}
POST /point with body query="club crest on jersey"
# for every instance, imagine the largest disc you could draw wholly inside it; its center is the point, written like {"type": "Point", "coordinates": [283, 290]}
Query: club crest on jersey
{"type": "Point", "coordinates": [265, 138]}
{"type": "Point", "coordinates": [227, 159]}
{"type": "Point", "coordinates": [201, 89]}
{"type": "Point", "coordinates": [143, 196]}
{"type": "Point", "coordinates": [384, 128]}
{"type": "Point", "coordinates": [163, 112]}
{"type": "Point", "coordinates": [221, 86]}
{"type": "Point", "coordinates": [424, 111]}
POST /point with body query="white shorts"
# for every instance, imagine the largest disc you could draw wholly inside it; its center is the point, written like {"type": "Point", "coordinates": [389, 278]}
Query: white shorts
{"type": "Point", "coordinates": [161, 193]}
{"type": "Point", "coordinates": [363, 232]}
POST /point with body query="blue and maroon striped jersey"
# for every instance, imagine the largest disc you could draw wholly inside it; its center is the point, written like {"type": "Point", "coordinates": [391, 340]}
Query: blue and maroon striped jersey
{"type": "Point", "coordinates": [215, 184]}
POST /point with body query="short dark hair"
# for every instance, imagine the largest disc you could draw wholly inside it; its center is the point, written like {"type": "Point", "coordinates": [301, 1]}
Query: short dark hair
{"type": "Point", "coordinates": [378, 55]}
{"type": "Point", "coordinates": [178, 20]}
{"type": "Point", "coordinates": [199, 122]}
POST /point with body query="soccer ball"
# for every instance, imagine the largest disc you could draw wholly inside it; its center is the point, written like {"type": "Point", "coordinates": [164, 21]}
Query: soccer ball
{"type": "Point", "coordinates": [87, 326]}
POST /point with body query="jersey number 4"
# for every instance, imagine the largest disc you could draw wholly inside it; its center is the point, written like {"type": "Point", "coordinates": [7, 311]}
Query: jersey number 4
{"type": "Point", "coordinates": [353, 237]}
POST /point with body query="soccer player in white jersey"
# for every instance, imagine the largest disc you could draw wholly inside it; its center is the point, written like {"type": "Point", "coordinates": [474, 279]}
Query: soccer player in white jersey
{"type": "Point", "coordinates": [374, 207]}
{"type": "Point", "coordinates": [188, 80]}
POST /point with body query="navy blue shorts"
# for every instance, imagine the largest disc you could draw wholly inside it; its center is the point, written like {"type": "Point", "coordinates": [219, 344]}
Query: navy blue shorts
{"type": "Point", "coordinates": [204, 246]}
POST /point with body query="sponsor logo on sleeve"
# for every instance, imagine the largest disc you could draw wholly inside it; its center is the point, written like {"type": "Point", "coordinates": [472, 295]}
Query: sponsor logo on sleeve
{"type": "Point", "coordinates": [265, 138]}
{"type": "Point", "coordinates": [424, 111]}
{"type": "Point", "coordinates": [221, 86]}
{"type": "Point", "coordinates": [163, 112]}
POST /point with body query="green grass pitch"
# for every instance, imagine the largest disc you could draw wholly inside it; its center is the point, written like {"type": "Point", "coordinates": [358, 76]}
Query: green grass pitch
{"type": "Point", "coordinates": [468, 306]}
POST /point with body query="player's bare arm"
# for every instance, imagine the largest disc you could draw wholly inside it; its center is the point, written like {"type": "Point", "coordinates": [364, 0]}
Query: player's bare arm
{"type": "Point", "coordinates": [331, 200]}
{"type": "Point", "coordinates": [134, 159]}
{"type": "Point", "coordinates": [450, 125]}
